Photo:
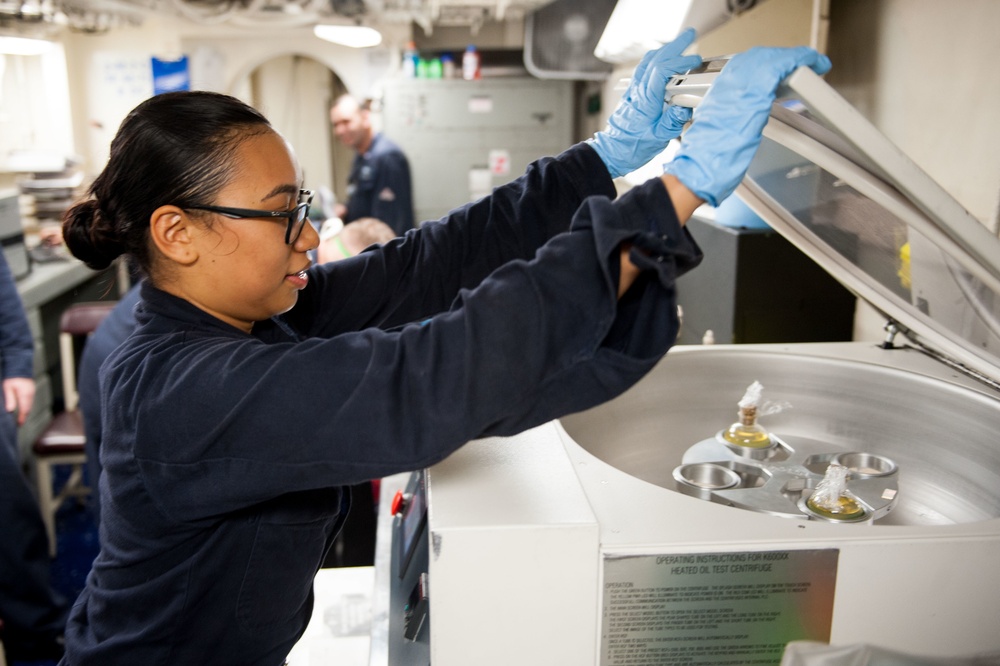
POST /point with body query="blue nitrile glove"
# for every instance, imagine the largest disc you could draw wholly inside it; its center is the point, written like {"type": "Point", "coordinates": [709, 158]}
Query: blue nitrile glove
{"type": "Point", "coordinates": [717, 149]}
{"type": "Point", "coordinates": [644, 123]}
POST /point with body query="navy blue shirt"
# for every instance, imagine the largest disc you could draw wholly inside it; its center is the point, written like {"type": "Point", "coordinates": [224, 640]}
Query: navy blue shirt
{"type": "Point", "coordinates": [17, 349]}
{"type": "Point", "coordinates": [379, 186]}
{"type": "Point", "coordinates": [226, 455]}
{"type": "Point", "coordinates": [117, 326]}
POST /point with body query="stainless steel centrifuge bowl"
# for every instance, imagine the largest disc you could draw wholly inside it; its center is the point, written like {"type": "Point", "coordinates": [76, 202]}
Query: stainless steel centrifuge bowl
{"type": "Point", "coordinates": [941, 430]}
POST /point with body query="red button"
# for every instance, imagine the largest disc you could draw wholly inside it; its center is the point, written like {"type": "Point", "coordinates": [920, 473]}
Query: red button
{"type": "Point", "coordinates": [398, 502]}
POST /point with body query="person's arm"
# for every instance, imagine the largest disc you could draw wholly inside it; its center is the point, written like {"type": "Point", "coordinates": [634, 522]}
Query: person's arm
{"type": "Point", "coordinates": [16, 348]}
{"type": "Point", "coordinates": [515, 221]}
{"type": "Point", "coordinates": [536, 339]}
{"type": "Point", "coordinates": [716, 151]}
{"type": "Point", "coordinates": [684, 201]}
{"type": "Point", "coordinates": [420, 275]}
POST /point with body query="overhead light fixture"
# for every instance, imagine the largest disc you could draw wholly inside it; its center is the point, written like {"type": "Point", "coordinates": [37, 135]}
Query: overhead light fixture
{"type": "Point", "coordinates": [355, 36]}
{"type": "Point", "coordinates": [24, 46]}
{"type": "Point", "coordinates": [637, 26]}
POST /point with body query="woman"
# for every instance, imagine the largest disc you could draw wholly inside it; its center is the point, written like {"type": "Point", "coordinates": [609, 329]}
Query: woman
{"type": "Point", "coordinates": [256, 388]}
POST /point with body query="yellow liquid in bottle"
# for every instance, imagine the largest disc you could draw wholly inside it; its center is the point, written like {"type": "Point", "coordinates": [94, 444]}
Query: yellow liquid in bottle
{"type": "Point", "coordinates": [749, 436]}
{"type": "Point", "coordinates": [844, 508]}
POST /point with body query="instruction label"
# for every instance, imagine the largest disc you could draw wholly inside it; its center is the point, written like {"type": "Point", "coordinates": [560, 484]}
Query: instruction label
{"type": "Point", "coordinates": [715, 609]}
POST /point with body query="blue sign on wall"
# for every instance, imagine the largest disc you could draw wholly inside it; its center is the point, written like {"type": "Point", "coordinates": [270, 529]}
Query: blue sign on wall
{"type": "Point", "coordinates": [170, 75]}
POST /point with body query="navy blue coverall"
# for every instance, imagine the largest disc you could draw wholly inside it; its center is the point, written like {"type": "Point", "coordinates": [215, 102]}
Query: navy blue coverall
{"type": "Point", "coordinates": [32, 612]}
{"type": "Point", "coordinates": [226, 455]}
{"type": "Point", "coordinates": [117, 326]}
{"type": "Point", "coordinates": [379, 186]}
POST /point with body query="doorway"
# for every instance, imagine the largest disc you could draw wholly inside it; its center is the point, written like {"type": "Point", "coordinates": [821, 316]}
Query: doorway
{"type": "Point", "coordinates": [295, 92]}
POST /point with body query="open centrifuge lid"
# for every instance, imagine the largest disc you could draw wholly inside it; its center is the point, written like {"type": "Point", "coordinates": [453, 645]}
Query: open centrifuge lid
{"type": "Point", "coordinates": [837, 188]}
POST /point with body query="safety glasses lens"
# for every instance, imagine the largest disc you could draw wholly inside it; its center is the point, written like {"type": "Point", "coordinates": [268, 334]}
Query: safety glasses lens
{"type": "Point", "coordinates": [296, 222]}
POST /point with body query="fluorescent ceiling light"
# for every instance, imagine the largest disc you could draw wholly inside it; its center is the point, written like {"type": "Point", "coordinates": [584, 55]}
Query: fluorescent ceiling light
{"type": "Point", "coordinates": [24, 46]}
{"type": "Point", "coordinates": [355, 36]}
{"type": "Point", "coordinates": [637, 26]}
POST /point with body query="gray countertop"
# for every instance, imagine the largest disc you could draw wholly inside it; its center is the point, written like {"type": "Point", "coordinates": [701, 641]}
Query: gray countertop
{"type": "Point", "coordinates": [48, 280]}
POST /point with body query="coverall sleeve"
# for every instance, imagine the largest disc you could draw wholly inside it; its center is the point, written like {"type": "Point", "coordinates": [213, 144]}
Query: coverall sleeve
{"type": "Point", "coordinates": [535, 340]}
{"type": "Point", "coordinates": [16, 344]}
{"type": "Point", "coordinates": [419, 275]}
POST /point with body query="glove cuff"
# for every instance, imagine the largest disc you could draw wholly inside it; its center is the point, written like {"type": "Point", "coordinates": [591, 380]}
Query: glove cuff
{"type": "Point", "coordinates": [597, 142]}
{"type": "Point", "coordinates": [693, 177]}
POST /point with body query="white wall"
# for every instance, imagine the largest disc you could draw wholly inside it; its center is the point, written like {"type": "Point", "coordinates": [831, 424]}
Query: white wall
{"type": "Point", "coordinates": [937, 92]}
{"type": "Point", "coordinates": [923, 72]}
{"type": "Point", "coordinates": [109, 74]}
{"type": "Point", "coordinates": [34, 111]}
{"type": "Point", "coordinates": [295, 93]}
{"type": "Point", "coordinates": [302, 113]}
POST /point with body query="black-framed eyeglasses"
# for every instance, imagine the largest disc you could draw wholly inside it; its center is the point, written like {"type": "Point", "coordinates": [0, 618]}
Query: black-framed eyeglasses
{"type": "Point", "coordinates": [296, 217]}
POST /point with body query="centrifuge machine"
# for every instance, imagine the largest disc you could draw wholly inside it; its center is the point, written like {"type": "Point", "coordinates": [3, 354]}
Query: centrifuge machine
{"type": "Point", "coordinates": [637, 533]}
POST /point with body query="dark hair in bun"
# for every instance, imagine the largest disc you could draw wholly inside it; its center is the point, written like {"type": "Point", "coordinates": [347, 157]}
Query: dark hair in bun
{"type": "Point", "coordinates": [176, 148]}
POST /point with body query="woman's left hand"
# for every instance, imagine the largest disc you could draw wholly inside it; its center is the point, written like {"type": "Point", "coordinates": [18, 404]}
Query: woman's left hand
{"type": "Point", "coordinates": [643, 124]}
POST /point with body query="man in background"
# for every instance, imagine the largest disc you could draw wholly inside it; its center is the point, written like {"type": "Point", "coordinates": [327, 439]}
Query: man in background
{"type": "Point", "coordinates": [379, 183]}
{"type": "Point", "coordinates": [33, 614]}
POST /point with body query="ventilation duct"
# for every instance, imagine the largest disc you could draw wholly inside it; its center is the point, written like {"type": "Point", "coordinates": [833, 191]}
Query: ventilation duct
{"type": "Point", "coordinates": [559, 39]}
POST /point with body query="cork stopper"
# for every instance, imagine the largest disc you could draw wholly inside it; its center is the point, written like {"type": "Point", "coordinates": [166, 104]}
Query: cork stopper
{"type": "Point", "coordinates": [748, 415]}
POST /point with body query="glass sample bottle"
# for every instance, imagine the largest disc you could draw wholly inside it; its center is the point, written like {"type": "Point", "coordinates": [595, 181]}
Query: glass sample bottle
{"type": "Point", "coordinates": [747, 432]}
{"type": "Point", "coordinates": [832, 500]}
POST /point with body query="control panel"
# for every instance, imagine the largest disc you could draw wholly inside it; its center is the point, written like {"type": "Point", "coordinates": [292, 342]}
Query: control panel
{"type": "Point", "coordinates": [409, 589]}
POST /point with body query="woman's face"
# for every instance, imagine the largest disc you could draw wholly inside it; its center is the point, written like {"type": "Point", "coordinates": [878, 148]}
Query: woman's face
{"type": "Point", "coordinates": [245, 270]}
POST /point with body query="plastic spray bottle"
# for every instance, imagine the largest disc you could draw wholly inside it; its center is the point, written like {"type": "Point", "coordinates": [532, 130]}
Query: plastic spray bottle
{"type": "Point", "coordinates": [471, 64]}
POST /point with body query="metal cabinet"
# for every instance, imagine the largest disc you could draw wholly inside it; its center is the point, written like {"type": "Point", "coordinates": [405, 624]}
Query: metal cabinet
{"type": "Point", "coordinates": [463, 138]}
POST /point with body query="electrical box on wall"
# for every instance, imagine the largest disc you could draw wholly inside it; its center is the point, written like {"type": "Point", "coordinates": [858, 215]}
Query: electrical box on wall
{"type": "Point", "coordinates": [463, 138]}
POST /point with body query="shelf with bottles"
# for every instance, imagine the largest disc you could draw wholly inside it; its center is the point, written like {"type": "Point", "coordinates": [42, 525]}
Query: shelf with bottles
{"type": "Point", "coordinates": [447, 64]}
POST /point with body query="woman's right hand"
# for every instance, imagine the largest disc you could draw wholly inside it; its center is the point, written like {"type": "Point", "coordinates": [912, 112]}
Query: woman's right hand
{"type": "Point", "coordinates": [717, 149]}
